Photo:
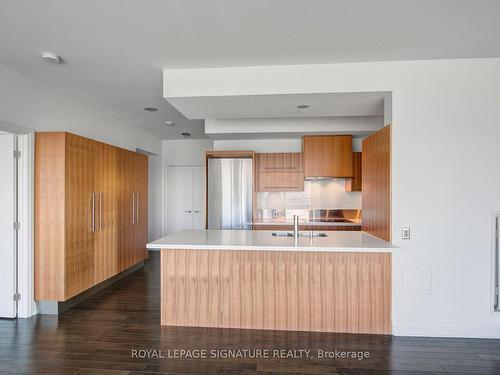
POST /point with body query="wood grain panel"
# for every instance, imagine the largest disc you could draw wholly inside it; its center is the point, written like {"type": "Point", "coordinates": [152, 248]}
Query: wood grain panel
{"type": "Point", "coordinates": [126, 210]}
{"type": "Point", "coordinates": [143, 205]}
{"type": "Point", "coordinates": [355, 183]}
{"type": "Point", "coordinates": [299, 291]}
{"type": "Point", "coordinates": [49, 215]}
{"type": "Point", "coordinates": [279, 162]}
{"type": "Point", "coordinates": [327, 156]}
{"type": "Point", "coordinates": [106, 249]}
{"type": "Point", "coordinates": [376, 177]}
{"type": "Point", "coordinates": [80, 238]}
{"type": "Point", "coordinates": [279, 181]}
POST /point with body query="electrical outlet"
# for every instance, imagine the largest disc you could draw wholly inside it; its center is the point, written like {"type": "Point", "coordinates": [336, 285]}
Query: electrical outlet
{"type": "Point", "coordinates": [405, 233]}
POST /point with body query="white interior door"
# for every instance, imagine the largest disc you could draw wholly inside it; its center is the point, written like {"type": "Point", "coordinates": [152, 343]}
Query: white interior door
{"type": "Point", "coordinates": [199, 197]}
{"type": "Point", "coordinates": [7, 232]}
{"type": "Point", "coordinates": [180, 210]}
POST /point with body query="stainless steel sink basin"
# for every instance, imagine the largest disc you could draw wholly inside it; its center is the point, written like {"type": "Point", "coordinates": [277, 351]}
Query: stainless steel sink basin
{"type": "Point", "coordinates": [301, 234]}
{"type": "Point", "coordinates": [282, 234]}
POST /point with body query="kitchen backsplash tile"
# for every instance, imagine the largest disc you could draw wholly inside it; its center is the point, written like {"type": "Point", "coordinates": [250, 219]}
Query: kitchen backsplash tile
{"type": "Point", "coordinates": [317, 194]}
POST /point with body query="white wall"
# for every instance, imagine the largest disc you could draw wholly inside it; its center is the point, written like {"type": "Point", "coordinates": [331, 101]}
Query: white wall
{"type": "Point", "coordinates": [183, 152]}
{"type": "Point", "coordinates": [155, 173]}
{"type": "Point", "coordinates": [445, 180]}
{"type": "Point", "coordinates": [25, 105]}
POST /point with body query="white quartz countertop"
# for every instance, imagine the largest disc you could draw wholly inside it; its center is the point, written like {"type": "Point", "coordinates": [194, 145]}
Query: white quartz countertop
{"type": "Point", "coordinates": [263, 240]}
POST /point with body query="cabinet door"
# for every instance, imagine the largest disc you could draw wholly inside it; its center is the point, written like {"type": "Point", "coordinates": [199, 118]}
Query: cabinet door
{"type": "Point", "coordinates": [199, 197]}
{"type": "Point", "coordinates": [8, 247]}
{"type": "Point", "coordinates": [328, 156]}
{"type": "Point", "coordinates": [141, 221]}
{"type": "Point", "coordinates": [354, 183]}
{"type": "Point", "coordinates": [279, 162]}
{"type": "Point", "coordinates": [180, 205]}
{"type": "Point", "coordinates": [80, 214]}
{"type": "Point", "coordinates": [279, 181]}
{"type": "Point", "coordinates": [106, 249]}
{"type": "Point", "coordinates": [126, 210]}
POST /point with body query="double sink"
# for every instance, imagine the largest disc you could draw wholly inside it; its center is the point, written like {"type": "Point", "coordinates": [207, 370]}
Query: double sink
{"type": "Point", "coordinates": [301, 234]}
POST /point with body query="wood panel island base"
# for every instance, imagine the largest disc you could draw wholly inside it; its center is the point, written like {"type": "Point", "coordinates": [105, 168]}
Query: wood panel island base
{"type": "Point", "coordinates": [250, 279]}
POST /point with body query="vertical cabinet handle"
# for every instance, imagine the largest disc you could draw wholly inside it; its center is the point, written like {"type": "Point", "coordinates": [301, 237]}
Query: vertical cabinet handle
{"type": "Point", "coordinates": [100, 211]}
{"type": "Point", "coordinates": [92, 225]}
{"type": "Point", "coordinates": [133, 208]}
{"type": "Point", "coordinates": [137, 210]}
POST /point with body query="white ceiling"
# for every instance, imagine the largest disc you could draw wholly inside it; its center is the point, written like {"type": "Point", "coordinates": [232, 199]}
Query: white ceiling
{"type": "Point", "coordinates": [115, 50]}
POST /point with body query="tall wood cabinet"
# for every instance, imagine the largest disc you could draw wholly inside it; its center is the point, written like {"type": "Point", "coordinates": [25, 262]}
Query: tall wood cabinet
{"type": "Point", "coordinates": [376, 175]}
{"type": "Point", "coordinates": [90, 213]}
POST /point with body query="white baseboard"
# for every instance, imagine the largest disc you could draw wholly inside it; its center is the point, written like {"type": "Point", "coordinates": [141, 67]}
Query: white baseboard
{"type": "Point", "coordinates": [446, 328]}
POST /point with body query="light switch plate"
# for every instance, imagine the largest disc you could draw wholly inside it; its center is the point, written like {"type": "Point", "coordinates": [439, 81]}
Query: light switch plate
{"type": "Point", "coordinates": [405, 233]}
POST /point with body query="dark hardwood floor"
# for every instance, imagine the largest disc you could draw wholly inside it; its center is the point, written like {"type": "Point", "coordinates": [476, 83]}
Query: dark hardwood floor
{"type": "Point", "coordinates": [100, 335]}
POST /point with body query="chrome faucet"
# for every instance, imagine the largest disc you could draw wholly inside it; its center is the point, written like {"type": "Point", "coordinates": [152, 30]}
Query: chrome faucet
{"type": "Point", "coordinates": [296, 226]}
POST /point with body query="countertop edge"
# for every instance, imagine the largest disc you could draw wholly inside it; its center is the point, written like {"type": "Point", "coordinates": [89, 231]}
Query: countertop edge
{"type": "Point", "coordinates": [275, 248]}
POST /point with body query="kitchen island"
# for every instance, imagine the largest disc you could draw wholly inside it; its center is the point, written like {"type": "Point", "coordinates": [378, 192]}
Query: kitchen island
{"type": "Point", "coordinates": [252, 279]}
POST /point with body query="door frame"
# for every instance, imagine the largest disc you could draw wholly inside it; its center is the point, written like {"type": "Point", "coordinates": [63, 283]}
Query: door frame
{"type": "Point", "coordinates": [26, 306]}
{"type": "Point", "coordinates": [9, 218]}
{"type": "Point", "coordinates": [165, 192]}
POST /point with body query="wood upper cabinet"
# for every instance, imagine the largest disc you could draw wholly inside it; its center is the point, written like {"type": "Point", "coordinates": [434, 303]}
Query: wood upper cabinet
{"type": "Point", "coordinates": [354, 183]}
{"type": "Point", "coordinates": [82, 217]}
{"type": "Point", "coordinates": [281, 182]}
{"type": "Point", "coordinates": [279, 172]}
{"type": "Point", "coordinates": [279, 162]}
{"type": "Point", "coordinates": [328, 156]}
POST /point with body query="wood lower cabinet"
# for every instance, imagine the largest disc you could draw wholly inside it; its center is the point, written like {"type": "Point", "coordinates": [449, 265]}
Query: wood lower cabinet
{"type": "Point", "coordinates": [90, 213]}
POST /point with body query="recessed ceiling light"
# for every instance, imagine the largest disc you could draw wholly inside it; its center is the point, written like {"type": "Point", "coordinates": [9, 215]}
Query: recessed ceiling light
{"type": "Point", "coordinates": [186, 134]}
{"type": "Point", "coordinates": [151, 109]}
{"type": "Point", "coordinates": [302, 106]}
{"type": "Point", "coordinates": [51, 58]}
{"type": "Point", "coordinates": [169, 123]}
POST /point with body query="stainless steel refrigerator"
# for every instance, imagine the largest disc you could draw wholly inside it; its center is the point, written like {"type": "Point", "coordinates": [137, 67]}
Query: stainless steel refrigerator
{"type": "Point", "coordinates": [230, 190]}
